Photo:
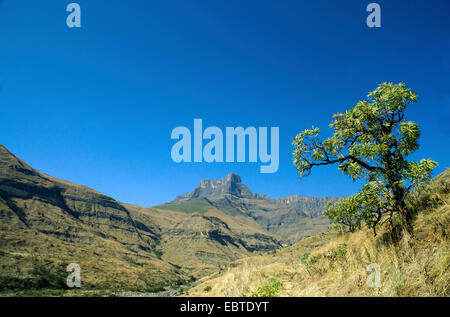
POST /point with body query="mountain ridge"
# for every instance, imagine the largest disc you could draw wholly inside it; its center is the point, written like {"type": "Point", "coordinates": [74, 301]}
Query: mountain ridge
{"type": "Point", "coordinates": [285, 216]}
{"type": "Point", "coordinates": [143, 247]}
{"type": "Point", "coordinates": [232, 184]}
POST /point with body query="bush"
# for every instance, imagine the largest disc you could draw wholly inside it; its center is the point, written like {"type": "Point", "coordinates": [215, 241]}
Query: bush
{"type": "Point", "coordinates": [158, 253]}
{"type": "Point", "coordinates": [207, 289]}
{"type": "Point", "coordinates": [341, 250]}
{"type": "Point", "coordinates": [270, 289]}
{"type": "Point", "coordinates": [305, 257]}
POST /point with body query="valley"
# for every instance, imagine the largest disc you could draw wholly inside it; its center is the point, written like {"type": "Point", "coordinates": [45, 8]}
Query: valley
{"type": "Point", "coordinates": [47, 223]}
{"type": "Point", "coordinates": [218, 240]}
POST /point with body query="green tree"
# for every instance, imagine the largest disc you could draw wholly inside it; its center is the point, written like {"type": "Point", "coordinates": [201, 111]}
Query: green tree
{"type": "Point", "coordinates": [371, 141]}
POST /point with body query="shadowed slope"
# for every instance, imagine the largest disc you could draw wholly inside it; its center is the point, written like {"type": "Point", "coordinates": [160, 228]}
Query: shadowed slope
{"type": "Point", "coordinates": [51, 223]}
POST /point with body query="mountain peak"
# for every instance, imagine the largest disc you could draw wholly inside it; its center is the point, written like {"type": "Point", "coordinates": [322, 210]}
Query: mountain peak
{"type": "Point", "coordinates": [4, 152]}
{"type": "Point", "coordinates": [211, 188]}
{"type": "Point", "coordinates": [230, 178]}
{"type": "Point", "coordinates": [233, 178]}
{"type": "Point", "coordinates": [10, 160]}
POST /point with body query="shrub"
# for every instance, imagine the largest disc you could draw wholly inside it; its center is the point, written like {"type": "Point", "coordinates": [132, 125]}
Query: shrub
{"type": "Point", "coordinates": [341, 250]}
{"type": "Point", "coordinates": [270, 289]}
{"type": "Point", "coordinates": [207, 289]}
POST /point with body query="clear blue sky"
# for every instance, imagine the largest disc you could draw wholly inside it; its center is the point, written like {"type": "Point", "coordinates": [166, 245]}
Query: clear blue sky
{"type": "Point", "coordinates": [96, 105]}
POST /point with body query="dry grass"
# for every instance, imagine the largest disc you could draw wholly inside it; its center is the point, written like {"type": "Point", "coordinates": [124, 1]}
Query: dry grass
{"type": "Point", "coordinates": [336, 263]}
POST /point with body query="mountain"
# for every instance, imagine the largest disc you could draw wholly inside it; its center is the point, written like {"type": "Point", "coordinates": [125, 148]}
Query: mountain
{"type": "Point", "coordinates": [291, 218]}
{"type": "Point", "coordinates": [231, 185]}
{"type": "Point", "coordinates": [47, 223]}
{"type": "Point", "coordinates": [202, 240]}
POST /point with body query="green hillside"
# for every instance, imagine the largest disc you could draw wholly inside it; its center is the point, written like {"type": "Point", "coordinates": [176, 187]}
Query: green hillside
{"type": "Point", "coordinates": [197, 205]}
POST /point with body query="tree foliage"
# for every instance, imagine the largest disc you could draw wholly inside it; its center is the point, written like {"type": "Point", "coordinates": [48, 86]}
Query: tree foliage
{"type": "Point", "coordinates": [371, 141]}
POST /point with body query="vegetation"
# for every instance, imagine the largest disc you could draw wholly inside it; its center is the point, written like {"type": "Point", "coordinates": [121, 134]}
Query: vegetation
{"type": "Point", "coordinates": [371, 141]}
{"type": "Point", "coordinates": [42, 276]}
{"type": "Point", "coordinates": [48, 223]}
{"type": "Point", "coordinates": [416, 264]}
{"type": "Point", "coordinates": [126, 250]}
{"type": "Point", "coordinates": [207, 288]}
{"type": "Point", "coordinates": [270, 289]}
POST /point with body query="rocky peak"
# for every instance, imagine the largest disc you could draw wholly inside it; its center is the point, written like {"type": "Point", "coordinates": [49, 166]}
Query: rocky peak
{"type": "Point", "coordinates": [233, 178]}
{"type": "Point", "coordinates": [212, 188]}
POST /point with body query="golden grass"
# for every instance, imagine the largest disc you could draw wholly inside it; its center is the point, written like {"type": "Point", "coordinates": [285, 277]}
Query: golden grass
{"type": "Point", "coordinates": [417, 265]}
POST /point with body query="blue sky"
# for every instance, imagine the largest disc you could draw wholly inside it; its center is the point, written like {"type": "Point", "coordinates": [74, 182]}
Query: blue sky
{"type": "Point", "coordinates": [96, 105]}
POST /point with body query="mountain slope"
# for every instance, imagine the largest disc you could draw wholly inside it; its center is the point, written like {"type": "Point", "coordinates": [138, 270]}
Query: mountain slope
{"type": "Point", "coordinates": [47, 223]}
{"type": "Point", "coordinates": [335, 264]}
{"type": "Point", "coordinates": [203, 241]}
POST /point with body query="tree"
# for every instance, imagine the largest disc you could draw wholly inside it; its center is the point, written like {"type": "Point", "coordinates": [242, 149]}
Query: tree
{"type": "Point", "coordinates": [371, 141]}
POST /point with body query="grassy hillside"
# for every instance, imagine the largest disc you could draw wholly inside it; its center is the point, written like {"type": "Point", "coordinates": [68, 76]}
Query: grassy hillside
{"type": "Point", "coordinates": [47, 223]}
{"type": "Point", "coordinates": [201, 242]}
{"type": "Point", "coordinates": [197, 205]}
{"type": "Point", "coordinates": [34, 263]}
{"type": "Point", "coordinates": [335, 264]}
